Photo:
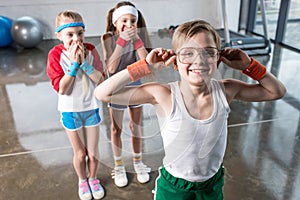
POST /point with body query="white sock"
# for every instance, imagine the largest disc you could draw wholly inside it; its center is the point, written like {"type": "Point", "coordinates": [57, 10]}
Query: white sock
{"type": "Point", "coordinates": [82, 180]}
{"type": "Point", "coordinates": [118, 161]}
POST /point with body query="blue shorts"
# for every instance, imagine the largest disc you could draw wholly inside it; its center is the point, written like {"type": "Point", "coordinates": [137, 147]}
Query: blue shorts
{"type": "Point", "coordinates": [73, 121]}
{"type": "Point", "coordinates": [123, 107]}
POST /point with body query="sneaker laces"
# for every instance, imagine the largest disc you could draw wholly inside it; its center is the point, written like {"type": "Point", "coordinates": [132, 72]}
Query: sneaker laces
{"type": "Point", "coordinates": [141, 168]}
{"type": "Point", "coordinates": [118, 171]}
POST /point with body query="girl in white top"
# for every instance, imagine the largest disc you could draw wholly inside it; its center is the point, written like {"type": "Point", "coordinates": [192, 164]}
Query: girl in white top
{"type": "Point", "coordinates": [193, 111]}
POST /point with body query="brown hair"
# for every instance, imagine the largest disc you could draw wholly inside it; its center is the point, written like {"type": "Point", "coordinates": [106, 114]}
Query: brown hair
{"type": "Point", "coordinates": [141, 23]}
{"type": "Point", "coordinates": [68, 14]}
{"type": "Point", "coordinates": [189, 29]}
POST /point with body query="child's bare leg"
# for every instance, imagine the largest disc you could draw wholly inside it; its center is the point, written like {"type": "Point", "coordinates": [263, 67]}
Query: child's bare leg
{"type": "Point", "coordinates": [135, 127]}
{"type": "Point", "coordinates": [119, 172]}
{"type": "Point", "coordinates": [77, 141]}
{"type": "Point", "coordinates": [92, 135]}
{"type": "Point", "coordinates": [116, 130]}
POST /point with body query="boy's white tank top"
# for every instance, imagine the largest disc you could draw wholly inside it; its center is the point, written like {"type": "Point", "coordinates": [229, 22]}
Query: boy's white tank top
{"type": "Point", "coordinates": [194, 149]}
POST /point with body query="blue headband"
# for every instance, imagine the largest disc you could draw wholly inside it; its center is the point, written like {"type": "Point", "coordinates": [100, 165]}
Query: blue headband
{"type": "Point", "coordinates": [73, 24]}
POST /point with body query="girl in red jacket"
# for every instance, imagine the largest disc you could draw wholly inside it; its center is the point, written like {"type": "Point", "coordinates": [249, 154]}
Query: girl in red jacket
{"type": "Point", "coordinates": [75, 69]}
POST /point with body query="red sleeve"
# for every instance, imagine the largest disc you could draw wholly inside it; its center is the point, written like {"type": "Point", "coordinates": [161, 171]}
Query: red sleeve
{"type": "Point", "coordinates": [54, 70]}
{"type": "Point", "coordinates": [97, 63]}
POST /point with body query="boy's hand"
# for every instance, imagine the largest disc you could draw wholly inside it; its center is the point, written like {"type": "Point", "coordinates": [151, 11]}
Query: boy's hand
{"type": "Point", "coordinates": [235, 58]}
{"type": "Point", "coordinates": [162, 57]}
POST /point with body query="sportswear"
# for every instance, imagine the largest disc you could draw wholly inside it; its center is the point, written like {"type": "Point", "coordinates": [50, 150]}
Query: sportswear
{"type": "Point", "coordinates": [82, 95]}
{"type": "Point", "coordinates": [194, 149]}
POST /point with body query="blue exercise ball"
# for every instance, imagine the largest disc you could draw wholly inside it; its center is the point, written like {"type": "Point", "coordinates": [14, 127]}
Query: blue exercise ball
{"type": "Point", "coordinates": [27, 32]}
{"type": "Point", "coordinates": [5, 34]}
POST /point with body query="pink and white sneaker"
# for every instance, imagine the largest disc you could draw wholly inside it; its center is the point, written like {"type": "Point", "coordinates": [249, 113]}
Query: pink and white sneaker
{"type": "Point", "coordinates": [84, 191]}
{"type": "Point", "coordinates": [96, 188]}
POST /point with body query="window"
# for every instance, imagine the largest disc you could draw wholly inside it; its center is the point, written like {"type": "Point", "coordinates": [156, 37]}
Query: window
{"type": "Point", "coordinates": [282, 20]}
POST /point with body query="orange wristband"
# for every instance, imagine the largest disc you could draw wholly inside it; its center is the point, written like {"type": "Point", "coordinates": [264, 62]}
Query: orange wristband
{"type": "Point", "coordinates": [255, 70]}
{"type": "Point", "coordinates": [120, 41]}
{"type": "Point", "coordinates": [138, 44]}
{"type": "Point", "coordinates": [138, 70]}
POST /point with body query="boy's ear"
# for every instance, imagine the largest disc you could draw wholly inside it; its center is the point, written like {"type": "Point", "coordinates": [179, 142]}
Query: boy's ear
{"type": "Point", "coordinates": [175, 65]}
{"type": "Point", "coordinates": [218, 63]}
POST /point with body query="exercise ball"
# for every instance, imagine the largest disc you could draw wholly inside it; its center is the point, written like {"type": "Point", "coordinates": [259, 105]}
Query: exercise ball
{"type": "Point", "coordinates": [33, 65]}
{"type": "Point", "coordinates": [5, 34]}
{"type": "Point", "coordinates": [27, 32]}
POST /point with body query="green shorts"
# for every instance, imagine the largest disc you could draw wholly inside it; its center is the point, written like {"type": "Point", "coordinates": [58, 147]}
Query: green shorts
{"type": "Point", "coordinates": [169, 187]}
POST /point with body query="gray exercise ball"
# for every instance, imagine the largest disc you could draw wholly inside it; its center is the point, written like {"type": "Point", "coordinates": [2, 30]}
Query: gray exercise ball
{"type": "Point", "coordinates": [27, 32]}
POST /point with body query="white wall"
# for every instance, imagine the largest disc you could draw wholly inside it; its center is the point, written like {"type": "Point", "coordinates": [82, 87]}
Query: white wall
{"type": "Point", "coordinates": [157, 13]}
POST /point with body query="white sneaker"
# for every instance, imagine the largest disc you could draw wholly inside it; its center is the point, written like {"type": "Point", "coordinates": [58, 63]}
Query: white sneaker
{"type": "Point", "coordinates": [142, 172]}
{"type": "Point", "coordinates": [119, 174]}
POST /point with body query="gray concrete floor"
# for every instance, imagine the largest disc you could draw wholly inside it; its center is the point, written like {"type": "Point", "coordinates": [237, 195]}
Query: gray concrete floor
{"type": "Point", "coordinates": [262, 159]}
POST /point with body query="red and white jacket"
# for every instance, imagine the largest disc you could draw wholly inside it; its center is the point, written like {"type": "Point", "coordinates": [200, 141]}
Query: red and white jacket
{"type": "Point", "coordinates": [82, 97]}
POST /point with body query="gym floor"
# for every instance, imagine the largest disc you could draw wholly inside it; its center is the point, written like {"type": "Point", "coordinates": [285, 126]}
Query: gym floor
{"type": "Point", "coordinates": [262, 159]}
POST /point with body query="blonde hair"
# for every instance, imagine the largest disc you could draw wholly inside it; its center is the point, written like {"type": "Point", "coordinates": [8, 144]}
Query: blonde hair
{"type": "Point", "coordinates": [67, 14]}
{"type": "Point", "coordinates": [187, 30]}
